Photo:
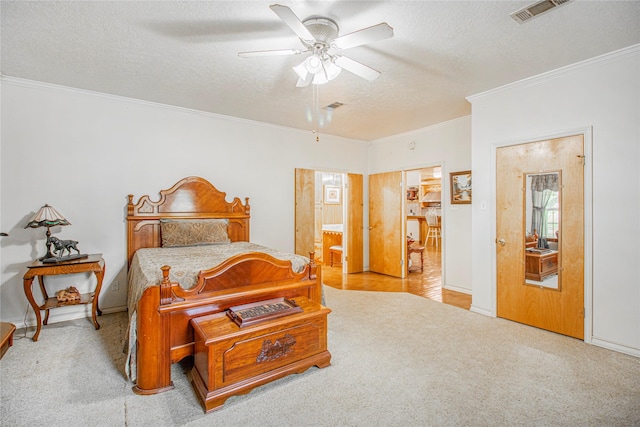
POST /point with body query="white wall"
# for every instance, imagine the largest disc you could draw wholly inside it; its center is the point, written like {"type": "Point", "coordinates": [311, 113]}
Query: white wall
{"type": "Point", "coordinates": [83, 153]}
{"type": "Point", "coordinates": [604, 94]}
{"type": "Point", "coordinates": [449, 144]}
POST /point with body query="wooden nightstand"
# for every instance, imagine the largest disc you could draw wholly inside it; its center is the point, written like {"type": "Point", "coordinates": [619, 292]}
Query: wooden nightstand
{"type": "Point", "coordinates": [93, 263]}
{"type": "Point", "coordinates": [6, 337]}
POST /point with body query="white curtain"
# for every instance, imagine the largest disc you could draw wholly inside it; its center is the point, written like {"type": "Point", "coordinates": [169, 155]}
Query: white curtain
{"type": "Point", "coordinates": [540, 199]}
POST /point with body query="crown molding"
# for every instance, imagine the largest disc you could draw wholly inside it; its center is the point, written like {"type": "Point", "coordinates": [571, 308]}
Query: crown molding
{"type": "Point", "coordinates": [51, 87]}
{"type": "Point", "coordinates": [617, 55]}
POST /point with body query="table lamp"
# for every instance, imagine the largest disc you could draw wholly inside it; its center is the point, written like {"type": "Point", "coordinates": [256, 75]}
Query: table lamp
{"type": "Point", "coordinates": [48, 217]}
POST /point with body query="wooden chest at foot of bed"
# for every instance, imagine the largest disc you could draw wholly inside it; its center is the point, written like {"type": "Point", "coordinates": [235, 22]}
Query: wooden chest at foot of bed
{"type": "Point", "coordinates": [230, 360]}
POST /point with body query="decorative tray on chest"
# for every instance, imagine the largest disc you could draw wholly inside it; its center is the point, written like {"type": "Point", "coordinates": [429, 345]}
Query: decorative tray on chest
{"type": "Point", "coordinates": [261, 311]}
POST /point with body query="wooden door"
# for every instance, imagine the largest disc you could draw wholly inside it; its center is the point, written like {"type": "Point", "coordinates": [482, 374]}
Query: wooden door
{"type": "Point", "coordinates": [386, 224]}
{"type": "Point", "coordinates": [304, 212]}
{"type": "Point", "coordinates": [353, 227]}
{"type": "Point", "coordinates": [559, 310]}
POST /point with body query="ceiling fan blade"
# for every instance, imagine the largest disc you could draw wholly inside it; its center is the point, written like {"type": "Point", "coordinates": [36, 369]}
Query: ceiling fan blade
{"type": "Point", "coordinates": [357, 68]}
{"type": "Point", "coordinates": [367, 35]}
{"type": "Point", "coordinates": [281, 52]}
{"type": "Point", "coordinates": [290, 18]}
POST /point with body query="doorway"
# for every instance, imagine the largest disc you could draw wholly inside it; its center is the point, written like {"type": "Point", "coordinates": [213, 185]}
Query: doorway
{"type": "Point", "coordinates": [423, 208]}
{"type": "Point", "coordinates": [401, 242]}
{"type": "Point", "coordinates": [540, 234]}
{"type": "Point", "coordinates": [328, 218]}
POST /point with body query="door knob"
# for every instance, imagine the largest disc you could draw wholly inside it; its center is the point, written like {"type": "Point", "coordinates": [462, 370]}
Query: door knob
{"type": "Point", "coordinates": [502, 242]}
{"type": "Point", "coordinates": [371, 227]}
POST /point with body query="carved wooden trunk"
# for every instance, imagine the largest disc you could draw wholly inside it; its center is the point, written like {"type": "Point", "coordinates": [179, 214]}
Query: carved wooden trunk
{"type": "Point", "coordinates": [230, 360]}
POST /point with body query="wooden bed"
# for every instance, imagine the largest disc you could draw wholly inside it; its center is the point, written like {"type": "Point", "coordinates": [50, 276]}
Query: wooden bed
{"type": "Point", "coordinates": [164, 334]}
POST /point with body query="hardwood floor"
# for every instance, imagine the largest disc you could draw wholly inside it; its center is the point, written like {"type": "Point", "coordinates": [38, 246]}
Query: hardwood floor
{"type": "Point", "coordinates": [427, 284]}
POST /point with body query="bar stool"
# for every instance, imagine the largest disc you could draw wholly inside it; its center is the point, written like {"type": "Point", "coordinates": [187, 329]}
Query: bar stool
{"type": "Point", "coordinates": [433, 227]}
{"type": "Point", "coordinates": [337, 252]}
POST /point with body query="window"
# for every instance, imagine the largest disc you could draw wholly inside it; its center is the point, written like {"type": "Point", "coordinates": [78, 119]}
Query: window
{"type": "Point", "coordinates": [552, 216]}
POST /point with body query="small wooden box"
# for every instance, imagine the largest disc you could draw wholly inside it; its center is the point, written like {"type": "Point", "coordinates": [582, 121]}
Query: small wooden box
{"type": "Point", "coordinates": [230, 360]}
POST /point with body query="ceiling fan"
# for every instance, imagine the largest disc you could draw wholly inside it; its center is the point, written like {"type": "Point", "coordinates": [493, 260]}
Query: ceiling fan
{"type": "Point", "coordinates": [320, 38]}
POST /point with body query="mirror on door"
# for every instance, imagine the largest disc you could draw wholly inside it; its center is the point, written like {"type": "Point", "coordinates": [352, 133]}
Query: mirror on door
{"type": "Point", "coordinates": [542, 229]}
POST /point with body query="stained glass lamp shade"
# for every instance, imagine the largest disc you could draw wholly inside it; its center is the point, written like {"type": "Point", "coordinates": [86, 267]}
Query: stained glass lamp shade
{"type": "Point", "coordinates": [48, 217]}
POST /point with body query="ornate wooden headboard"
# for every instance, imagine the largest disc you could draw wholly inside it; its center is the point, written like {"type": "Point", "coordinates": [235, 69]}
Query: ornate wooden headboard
{"type": "Point", "coordinates": [189, 198]}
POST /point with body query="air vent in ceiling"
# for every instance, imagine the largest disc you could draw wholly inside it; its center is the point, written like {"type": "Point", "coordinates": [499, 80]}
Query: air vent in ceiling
{"type": "Point", "coordinates": [333, 105]}
{"type": "Point", "coordinates": [536, 9]}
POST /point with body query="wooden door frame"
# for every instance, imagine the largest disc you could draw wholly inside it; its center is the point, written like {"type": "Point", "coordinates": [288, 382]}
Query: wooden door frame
{"type": "Point", "coordinates": [586, 132]}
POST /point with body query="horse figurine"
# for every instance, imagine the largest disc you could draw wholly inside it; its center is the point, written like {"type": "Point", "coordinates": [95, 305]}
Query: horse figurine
{"type": "Point", "coordinates": [63, 245]}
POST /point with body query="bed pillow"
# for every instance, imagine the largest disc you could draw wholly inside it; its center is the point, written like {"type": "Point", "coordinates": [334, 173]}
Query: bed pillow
{"type": "Point", "coordinates": [193, 232]}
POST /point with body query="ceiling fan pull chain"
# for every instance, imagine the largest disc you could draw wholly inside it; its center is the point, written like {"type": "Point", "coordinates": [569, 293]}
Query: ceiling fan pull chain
{"type": "Point", "coordinates": [316, 111]}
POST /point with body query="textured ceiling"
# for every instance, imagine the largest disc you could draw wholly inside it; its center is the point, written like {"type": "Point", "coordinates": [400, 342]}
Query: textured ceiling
{"type": "Point", "coordinates": [184, 53]}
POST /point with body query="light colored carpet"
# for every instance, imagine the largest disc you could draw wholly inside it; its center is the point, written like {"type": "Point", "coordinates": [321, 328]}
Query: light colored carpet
{"type": "Point", "coordinates": [398, 360]}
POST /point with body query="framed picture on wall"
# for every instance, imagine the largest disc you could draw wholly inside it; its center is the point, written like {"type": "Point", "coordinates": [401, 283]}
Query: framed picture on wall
{"type": "Point", "coordinates": [332, 194]}
{"type": "Point", "coordinates": [460, 187]}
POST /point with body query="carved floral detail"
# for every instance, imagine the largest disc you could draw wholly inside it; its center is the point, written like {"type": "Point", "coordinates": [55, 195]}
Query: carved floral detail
{"type": "Point", "coordinates": [271, 351]}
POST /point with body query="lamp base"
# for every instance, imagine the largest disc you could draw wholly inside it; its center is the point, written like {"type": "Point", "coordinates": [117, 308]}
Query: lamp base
{"type": "Point", "coordinates": [58, 259]}
{"type": "Point", "coordinates": [47, 256]}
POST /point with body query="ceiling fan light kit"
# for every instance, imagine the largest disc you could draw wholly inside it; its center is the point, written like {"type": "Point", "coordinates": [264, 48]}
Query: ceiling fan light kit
{"type": "Point", "coordinates": [316, 70]}
{"type": "Point", "coordinates": [313, 64]}
{"type": "Point", "coordinates": [320, 36]}
{"type": "Point", "coordinates": [331, 69]}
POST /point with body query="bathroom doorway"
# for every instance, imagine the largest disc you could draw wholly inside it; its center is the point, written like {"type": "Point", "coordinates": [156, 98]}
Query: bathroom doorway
{"type": "Point", "coordinates": [329, 218]}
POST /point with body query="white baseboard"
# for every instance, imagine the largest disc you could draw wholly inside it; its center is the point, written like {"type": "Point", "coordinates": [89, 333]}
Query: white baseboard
{"type": "Point", "coordinates": [458, 289]}
{"type": "Point", "coordinates": [483, 311]}
{"type": "Point", "coordinates": [616, 347]}
{"type": "Point", "coordinates": [111, 310]}
{"type": "Point", "coordinates": [60, 315]}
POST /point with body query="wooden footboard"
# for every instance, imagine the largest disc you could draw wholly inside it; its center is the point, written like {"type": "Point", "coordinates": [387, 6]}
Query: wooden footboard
{"type": "Point", "coordinates": [164, 333]}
